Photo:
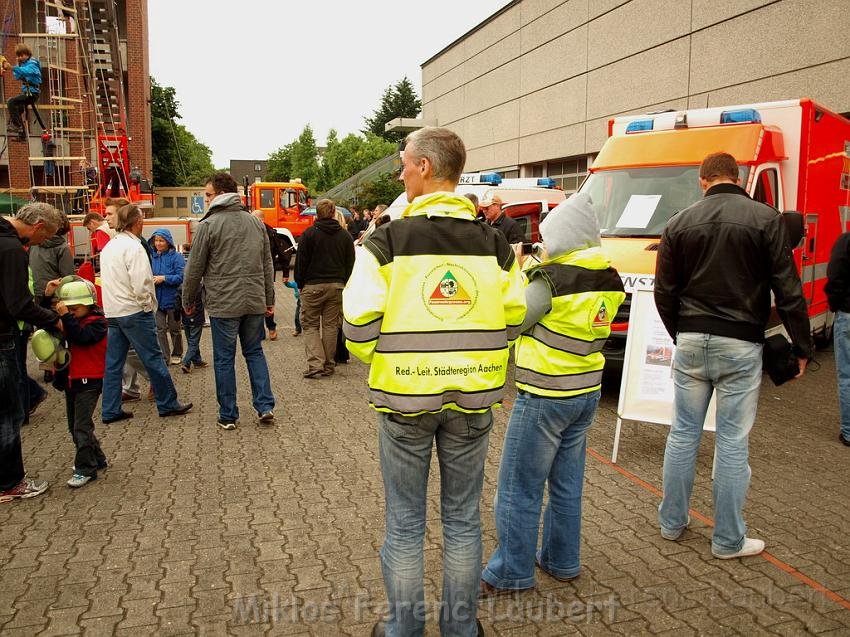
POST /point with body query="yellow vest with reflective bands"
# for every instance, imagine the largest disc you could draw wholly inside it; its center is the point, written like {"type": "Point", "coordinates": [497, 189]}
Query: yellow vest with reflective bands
{"type": "Point", "coordinates": [433, 303]}
{"type": "Point", "coordinates": [561, 355]}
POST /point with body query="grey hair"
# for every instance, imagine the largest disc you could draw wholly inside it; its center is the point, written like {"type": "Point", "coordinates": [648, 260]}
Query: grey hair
{"type": "Point", "coordinates": [442, 148]}
{"type": "Point", "coordinates": [39, 212]}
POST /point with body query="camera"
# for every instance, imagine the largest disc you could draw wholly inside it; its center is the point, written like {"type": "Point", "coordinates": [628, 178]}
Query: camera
{"type": "Point", "coordinates": [527, 248]}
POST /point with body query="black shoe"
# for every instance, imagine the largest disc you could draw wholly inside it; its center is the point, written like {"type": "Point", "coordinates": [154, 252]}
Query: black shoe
{"type": "Point", "coordinates": [843, 440]}
{"type": "Point", "coordinates": [312, 374]}
{"type": "Point", "coordinates": [124, 415]}
{"type": "Point", "coordinates": [34, 406]}
{"type": "Point", "coordinates": [267, 417]}
{"type": "Point", "coordinates": [380, 628]}
{"type": "Point", "coordinates": [181, 409]}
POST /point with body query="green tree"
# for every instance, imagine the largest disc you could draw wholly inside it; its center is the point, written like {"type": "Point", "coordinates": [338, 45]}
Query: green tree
{"type": "Point", "coordinates": [304, 156]}
{"type": "Point", "coordinates": [353, 153]}
{"type": "Point", "coordinates": [382, 190]}
{"type": "Point", "coordinates": [398, 100]}
{"type": "Point", "coordinates": [179, 158]}
{"type": "Point", "coordinates": [280, 164]}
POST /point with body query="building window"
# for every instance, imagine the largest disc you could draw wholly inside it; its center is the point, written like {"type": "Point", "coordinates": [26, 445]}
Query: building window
{"type": "Point", "coordinates": [258, 168]}
{"type": "Point", "coordinates": [168, 202]}
{"type": "Point", "coordinates": [182, 203]}
{"type": "Point", "coordinates": [537, 171]}
{"type": "Point", "coordinates": [509, 174]}
{"type": "Point", "coordinates": [568, 173]}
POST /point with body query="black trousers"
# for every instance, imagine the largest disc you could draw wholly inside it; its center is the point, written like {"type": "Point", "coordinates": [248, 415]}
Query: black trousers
{"type": "Point", "coordinates": [17, 105]}
{"type": "Point", "coordinates": [11, 417]}
{"type": "Point", "coordinates": [80, 407]}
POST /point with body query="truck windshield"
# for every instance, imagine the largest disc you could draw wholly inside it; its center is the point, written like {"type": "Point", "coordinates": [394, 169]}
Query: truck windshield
{"type": "Point", "coordinates": [638, 202]}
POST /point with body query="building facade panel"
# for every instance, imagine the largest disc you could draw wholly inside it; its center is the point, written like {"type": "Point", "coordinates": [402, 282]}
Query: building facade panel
{"type": "Point", "coordinates": [561, 142]}
{"type": "Point", "coordinates": [792, 34]}
{"type": "Point", "coordinates": [497, 87]}
{"type": "Point", "coordinates": [551, 23]}
{"type": "Point", "coordinates": [493, 57]}
{"type": "Point", "coordinates": [828, 83]}
{"type": "Point", "coordinates": [650, 23]}
{"type": "Point", "coordinates": [708, 12]}
{"type": "Point", "coordinates": [596, 8]}
{"type": "Point", "coordinates": [560, 59]}
{"type": "Point", "coordinates": [653, 76]}
{"type": "Point", "coordinates": [496, 124]}
{"type": "Point", "coordinates": [553, 107]}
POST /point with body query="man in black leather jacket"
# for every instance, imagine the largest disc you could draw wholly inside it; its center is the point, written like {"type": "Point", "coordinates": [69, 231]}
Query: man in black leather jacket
{"type": "Point", "coordinates": [838, 293]}
{"type": "Point", "coordinates": [718, 262]}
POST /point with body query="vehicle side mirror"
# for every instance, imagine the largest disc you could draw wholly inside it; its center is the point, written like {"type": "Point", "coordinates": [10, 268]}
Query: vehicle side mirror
{"type": "Point", "coordinates": [794, 227]}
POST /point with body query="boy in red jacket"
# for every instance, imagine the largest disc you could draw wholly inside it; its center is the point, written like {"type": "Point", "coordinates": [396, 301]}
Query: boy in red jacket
{"type": "Point", "coordinates": [85, 329]}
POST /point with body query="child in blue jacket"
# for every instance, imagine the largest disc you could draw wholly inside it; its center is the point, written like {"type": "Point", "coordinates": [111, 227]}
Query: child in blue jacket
{"type": "Point", "coordinates": [167, 266]}
{"type": "Point", "coordinates": [28, 72]}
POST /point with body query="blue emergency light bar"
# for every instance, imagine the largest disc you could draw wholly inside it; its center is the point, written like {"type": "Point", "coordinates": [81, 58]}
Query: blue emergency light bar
{"type": "Point", "coordinates": [743, 116]}
{"type": "Point", "coordinates": [490, 178]}
{"type": "Point", "coordinates": [546, 182]}
{"type": "Point", "coordinates": [639, 125]}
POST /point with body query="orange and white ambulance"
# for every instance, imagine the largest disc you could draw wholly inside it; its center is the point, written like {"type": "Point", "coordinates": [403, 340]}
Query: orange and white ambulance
{"type": "Point", "coordinates": [793, 155]}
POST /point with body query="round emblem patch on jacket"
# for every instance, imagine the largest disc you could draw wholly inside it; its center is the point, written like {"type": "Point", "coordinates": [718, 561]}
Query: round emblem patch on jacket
{"type": "Point", "coordinates": [449, 292]}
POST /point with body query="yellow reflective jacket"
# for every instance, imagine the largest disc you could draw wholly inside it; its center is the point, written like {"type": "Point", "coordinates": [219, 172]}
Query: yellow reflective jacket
{"type": "Point", "coordinates": [434, 301]}
{"type": "Point", "coordinates": [561, 355]}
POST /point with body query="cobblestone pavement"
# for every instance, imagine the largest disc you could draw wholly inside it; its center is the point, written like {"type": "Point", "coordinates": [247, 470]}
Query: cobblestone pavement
{"type": "Point", "coordinates": [195, 530]}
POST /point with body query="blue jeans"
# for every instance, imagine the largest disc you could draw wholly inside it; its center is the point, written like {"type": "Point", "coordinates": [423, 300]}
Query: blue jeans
{"type": "Point", "coordinates": [249, 329]}
{"type": "Point", "coordinates": [546, 441]}
{"type": "Point", "coordinates": [732, 368]}
{"type": "Point", "coordinates": [405, 454]}
{"type": "Point", "coordinates": [11, 417]}
{"type": "Point", "coordinates": [193, 344]}
{"type": "Point", "coordinates": [138, 330]}
{"type": "Point", "coordinates": [841, 339]}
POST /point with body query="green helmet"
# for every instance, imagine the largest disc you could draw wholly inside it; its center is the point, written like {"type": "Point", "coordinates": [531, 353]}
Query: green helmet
{"type": "Point", "coordinates": [48, 349]}
{"type": "Point", "coordinates": [77, 292]}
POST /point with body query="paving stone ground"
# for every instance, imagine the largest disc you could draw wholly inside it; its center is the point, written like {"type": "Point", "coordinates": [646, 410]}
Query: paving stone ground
{"type": "Point", "coordinates": [195, 530]}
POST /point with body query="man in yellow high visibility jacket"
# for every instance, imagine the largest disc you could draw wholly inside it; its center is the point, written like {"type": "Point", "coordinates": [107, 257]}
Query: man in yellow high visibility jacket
{"type": "Point", "coordinates": [433, 303]}
{"type": "Point", "coordinates": [572, 298]}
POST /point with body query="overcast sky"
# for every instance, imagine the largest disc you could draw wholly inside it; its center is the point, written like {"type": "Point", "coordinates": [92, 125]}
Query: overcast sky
{"type": "Point", "coordinates": [250, 76]}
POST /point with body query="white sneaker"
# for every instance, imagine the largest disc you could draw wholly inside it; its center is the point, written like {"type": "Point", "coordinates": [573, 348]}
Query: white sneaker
{"type": "Point", "coordinates": [77, 480]}
{"type": "Point", "coordinates": [751, 546]}
{"type": "Point", "coordinates": [176, 360]}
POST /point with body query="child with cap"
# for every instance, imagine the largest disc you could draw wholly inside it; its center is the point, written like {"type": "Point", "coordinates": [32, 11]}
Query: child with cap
{"type": "Point", "coordinates": [85, 328]}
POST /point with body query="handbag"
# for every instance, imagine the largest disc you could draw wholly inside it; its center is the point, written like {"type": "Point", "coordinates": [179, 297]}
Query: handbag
{"type": "Point", "coordinates": [779, 360]}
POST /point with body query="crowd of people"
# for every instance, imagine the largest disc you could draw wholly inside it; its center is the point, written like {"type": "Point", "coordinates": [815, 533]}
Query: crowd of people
{"type": "Point", "coordinates": [433, 304]}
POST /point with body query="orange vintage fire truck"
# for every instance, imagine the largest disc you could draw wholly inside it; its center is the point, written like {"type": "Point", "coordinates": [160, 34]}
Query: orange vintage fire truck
{"type": "Point", "coordinates": [793, 155]}
{"type": "Point", "coordinates": [282, 204]}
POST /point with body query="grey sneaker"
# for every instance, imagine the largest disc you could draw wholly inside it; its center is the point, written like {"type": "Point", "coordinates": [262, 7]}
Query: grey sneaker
{"type": "Point", "coordinates": [227, 424]}
{"type": "Point", "coordinates": [673, 536]}
{"type": "Point", "coordinates": [267, 417]}
{"type": "Point", "coordinates": [751, 546]}
{"type": "Point", "coordinates": [77, 480]}
{"type": "Point", "coordinates": [26, 488]}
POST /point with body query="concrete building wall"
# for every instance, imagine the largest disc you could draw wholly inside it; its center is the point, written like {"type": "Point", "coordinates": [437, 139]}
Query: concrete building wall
{"type": "Point", "coordinates": [539, 80]}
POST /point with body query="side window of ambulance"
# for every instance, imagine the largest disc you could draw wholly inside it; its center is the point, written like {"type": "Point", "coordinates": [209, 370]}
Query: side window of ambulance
{"type": "Point", "coordinates": [524, 224]}
{"type": "Point", "coordinates": [766, 190]}
{"type": "Point", "coordinates": [266, 198]}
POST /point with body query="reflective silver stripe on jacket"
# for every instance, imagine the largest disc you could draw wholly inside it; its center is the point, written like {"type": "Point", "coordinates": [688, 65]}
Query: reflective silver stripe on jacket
{"type": "Point", "coordinates": [441, 341]}
{"type": "Point", "coordinates": [558, 383]}
{"type": "Point", "coordinates": [407, 404]}
{"type": "Point", "coordinates": [362, 333]}
{"type": "Point", "coordinates": [566, 343]}
{"type": "Point", "coordinates": [514, 332]}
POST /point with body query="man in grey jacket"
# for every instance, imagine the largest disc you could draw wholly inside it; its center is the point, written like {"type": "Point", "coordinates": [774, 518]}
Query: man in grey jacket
{"type": "Point", "coordinates": [231, 253]}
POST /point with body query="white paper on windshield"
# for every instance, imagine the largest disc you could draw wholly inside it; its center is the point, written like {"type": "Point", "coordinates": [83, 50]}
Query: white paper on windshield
{"type": "Point", "coordinates": [638, 211]}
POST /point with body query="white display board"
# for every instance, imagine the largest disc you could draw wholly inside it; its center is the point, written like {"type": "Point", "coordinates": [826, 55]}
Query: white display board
{"type": "Point", "coordinates": [646, 387]}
